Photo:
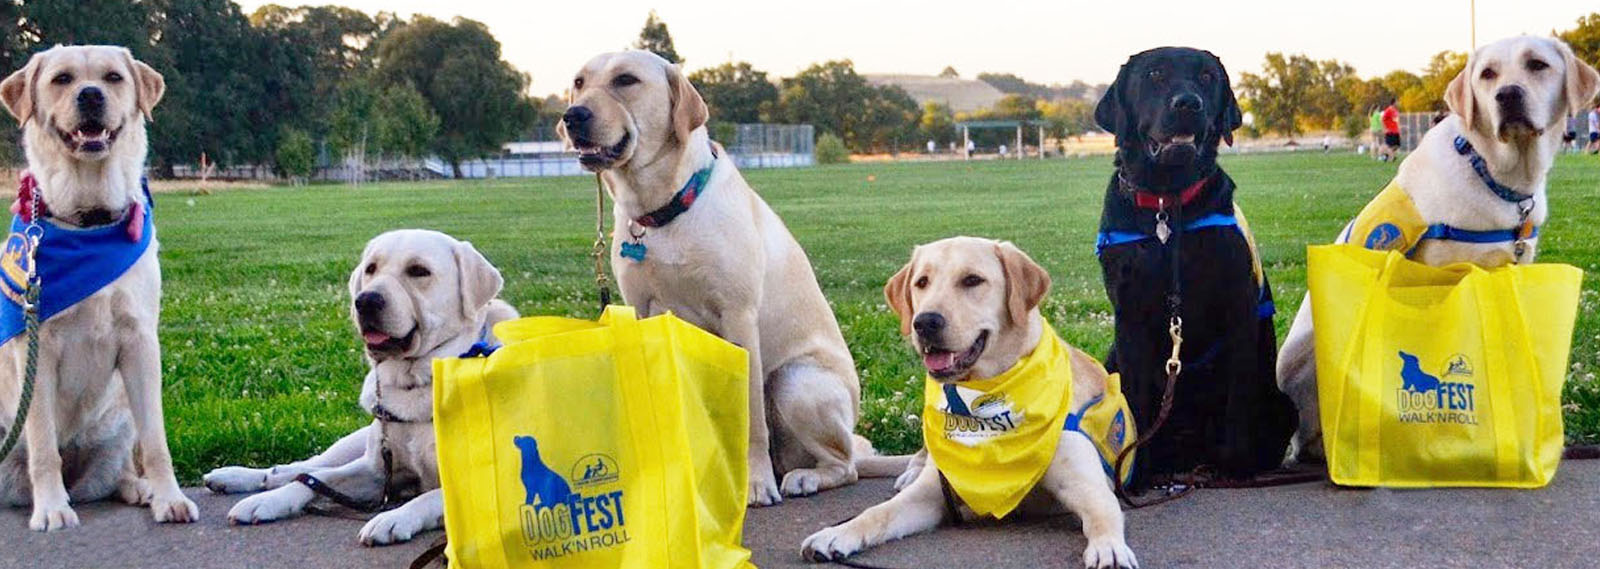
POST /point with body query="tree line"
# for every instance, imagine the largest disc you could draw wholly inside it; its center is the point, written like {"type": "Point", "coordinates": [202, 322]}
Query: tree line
{"type": "Point", "coordinates": [1294, 93]}
{"type": "Point", "coordinates": [264, 88]}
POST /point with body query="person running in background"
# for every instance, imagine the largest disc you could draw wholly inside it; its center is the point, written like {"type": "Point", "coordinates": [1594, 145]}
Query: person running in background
{"type": "Point", "coordinates": [1594, 130]}
{"type": "Point", "coordinates": [1569, 139]}
{"type": "Point", "coordinates": [1391, 131]}
{"type": "Point", "coordinates": [1375, 133]}
{"type": "Point", "coordinates": [1327, 142]}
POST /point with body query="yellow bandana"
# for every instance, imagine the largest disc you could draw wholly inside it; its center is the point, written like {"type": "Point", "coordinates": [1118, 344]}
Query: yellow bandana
{"type": "Point", "coordinates": [994, 438]}
{"type": "Point", "coordinates": [1390, 222]}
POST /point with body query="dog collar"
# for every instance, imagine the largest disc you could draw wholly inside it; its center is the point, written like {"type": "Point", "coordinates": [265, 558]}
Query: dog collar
{"type": "Point", "coordinates": [28, 186]}
{"type": "Point", "coordinates": [682, 200]}
{"type": "Point", "coordinates": [1465, 148]}
{"type": "Point", "coordinates": [1145, 199]}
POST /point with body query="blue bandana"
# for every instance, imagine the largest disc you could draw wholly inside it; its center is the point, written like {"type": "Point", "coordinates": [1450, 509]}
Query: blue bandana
{"type": "Point", "coordinates": [73, 263]}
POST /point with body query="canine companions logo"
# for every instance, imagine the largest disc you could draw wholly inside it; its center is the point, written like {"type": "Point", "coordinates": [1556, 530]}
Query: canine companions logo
{"type": "Point", "coordinates": [561, 518]}
{"type": "Point", "coordinates": [1117, 431]}
{"type": "Point", "coordinates": [973, 416]}
{"type": "Point", "coordinates": [14, 267]}
{"type": "Point", "coordinates": [1425, 398]}
{"type": "Point", "coordinates": [1383, 237]}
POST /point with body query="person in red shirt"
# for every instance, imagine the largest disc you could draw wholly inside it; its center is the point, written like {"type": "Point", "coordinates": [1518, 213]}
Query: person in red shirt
{"type": "Point", "coordinates": [1391, 132]}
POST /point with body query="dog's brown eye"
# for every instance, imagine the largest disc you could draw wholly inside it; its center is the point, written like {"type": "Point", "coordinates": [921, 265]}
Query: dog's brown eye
{"type": "Point", "coordinates": [577, 83]}
{"type": "Point", "coordinates": [970, 281]}
{"type": "Point", "coordinates": [1537, 65]}
{"type": "Point", "coordinates": [1488, 74]}
{"type": "Point", "coordinates": [1206, 77]}
{"type": "Point", "coordinates": [113, 77]}
{"type": "Point", "coordinates": [417, 271]}
{"type": "Point", "coordinates": [1156, 74]}
{"type": "Point", "coordinates": [62, 79]}
{"type": "Point", "coordinates": [624, 80]}
{"type": "Point", "coordinates": [922, 282]}
{"type": "Point", "coordinates": [372, 268]}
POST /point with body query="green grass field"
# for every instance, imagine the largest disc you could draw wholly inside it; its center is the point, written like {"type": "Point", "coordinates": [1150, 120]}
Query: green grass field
{"type": "Point", "coordinates": [262, 365]}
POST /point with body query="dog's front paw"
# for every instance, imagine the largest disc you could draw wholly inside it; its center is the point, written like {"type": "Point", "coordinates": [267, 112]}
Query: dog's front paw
{"type": "Point", "coordinates": [263, 508]}
{"type": "Point", "coordinates": [1109, 553]}
{"type": "Point", "coordinates": [801, 482]}
{"type": "Point", "coordinates": [235, 480]}
{"type": "Point", "coordinates": [763, 490]}
{"type": "Point", "coordinates": [174, 509]}
{"type": "Point", "coordinates": [910, 475]}
{"type": "Point", "coordinates": [394, 526]}
{"type": "Point", "coordinates": [831, 544]}
{"type": "Point", "coordinates": [134, 491]}
{"type": "Point", "coordinates": [53, 517]}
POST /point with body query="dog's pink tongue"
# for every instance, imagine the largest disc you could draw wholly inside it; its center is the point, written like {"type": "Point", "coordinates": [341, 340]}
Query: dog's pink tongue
{"type": "Point", "coordinates": [940, 361]}
{"type": "Point", "coordinates": [374, 338]}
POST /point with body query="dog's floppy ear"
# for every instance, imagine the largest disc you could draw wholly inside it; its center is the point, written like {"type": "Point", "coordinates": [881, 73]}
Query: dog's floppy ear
{"type": "Point", "coordinates": [1582, 79]}
{"type": "Point", "coordinates": [1112, 111]}
{"type": "Point", "coordinates": [148, 85]}
{"type": "Point", "coordinates": [1026, 281]}
{"type": "Point", "coordinates": [1232, 117]}
{"type": "Point", "coordinates": [898, 293]}
{"type": "Point", "coordinates": [688, 108]}
{"type": "Point", "coordinates": [16, 92]}
{"type": "Point", "coordinates": [1458, 96]}
{"type": "Point", "coordinates": [480, 281]}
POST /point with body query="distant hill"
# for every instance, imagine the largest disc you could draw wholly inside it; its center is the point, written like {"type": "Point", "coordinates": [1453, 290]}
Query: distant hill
{"type": "Point", "coordinates": [962, 95]}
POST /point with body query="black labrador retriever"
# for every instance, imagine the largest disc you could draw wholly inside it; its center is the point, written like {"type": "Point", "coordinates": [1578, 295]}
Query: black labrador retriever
{"type": "Point", "coordinates": [1169, 108]}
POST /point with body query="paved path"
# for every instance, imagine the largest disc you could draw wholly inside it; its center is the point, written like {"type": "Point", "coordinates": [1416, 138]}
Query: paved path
{"type": "Point", "coordinates": [1308, 525]}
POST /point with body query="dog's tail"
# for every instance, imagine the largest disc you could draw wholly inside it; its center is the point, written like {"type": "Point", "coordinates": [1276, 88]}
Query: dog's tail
{"type": "Point", "coordinates": [869, 464]}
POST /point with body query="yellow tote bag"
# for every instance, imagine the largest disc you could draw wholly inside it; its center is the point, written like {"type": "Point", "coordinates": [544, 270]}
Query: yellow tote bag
{"type": "Point", "coordinates": [611, 444]}
{"type": "Point", "coordinates": [1445, 376]}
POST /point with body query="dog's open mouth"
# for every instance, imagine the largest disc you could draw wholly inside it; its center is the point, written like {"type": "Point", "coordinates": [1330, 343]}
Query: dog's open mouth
{"type": "Point", "coordinates": [1518, 127]}
{"type": "Point", "coordinates": [381, 342]}
{"type": "Point", "coordinates": [90, 137]}
{"type": "Point", "coordinates": [945, 364]}
{"type": "Point", "coordinates": [1160, 147]}
{"type": "Point", "coordinates": [595, 157]}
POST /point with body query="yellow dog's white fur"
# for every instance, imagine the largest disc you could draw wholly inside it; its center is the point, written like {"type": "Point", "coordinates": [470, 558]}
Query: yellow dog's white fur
{"type": "Point", "coordinates": [727, 265]}
{"type": "Point", "coordinates": [98, 390]}
{"type": "Point", "coordinates": [1445, 189]}
{"type": "Point", "coordinates": [1002, 300]}
{"type": "Point", "coordinates": [450, 304]}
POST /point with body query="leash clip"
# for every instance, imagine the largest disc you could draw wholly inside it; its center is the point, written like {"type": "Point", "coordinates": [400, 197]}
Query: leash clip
{"type": "Point", "coordinates": [1175, 330]}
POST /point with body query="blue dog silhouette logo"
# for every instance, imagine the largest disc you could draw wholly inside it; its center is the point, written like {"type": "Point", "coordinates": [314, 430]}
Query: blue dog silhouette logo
{"type": "Point", "coordinates": [562, 517]}
{"type": "Point", "coordinates": [1427, 398]}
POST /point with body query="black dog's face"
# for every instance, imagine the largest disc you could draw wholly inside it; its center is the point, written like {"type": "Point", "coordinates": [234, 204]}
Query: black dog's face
{"type": "Point", "coordinates": [1170, 107]}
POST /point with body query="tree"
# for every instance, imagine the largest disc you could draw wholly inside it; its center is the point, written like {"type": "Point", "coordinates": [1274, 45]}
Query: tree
{"type": "Point", "coordinates": [1397, 82]}
{"type": "Point", "coordinates": [1067, 117]}
{"type": "Point", "coordinates": [326, 45]}
{"type": "Point", "coordinates": [1428, 95]}
{"type": "Point", "coordinates": [735, 92]}
{"type": "Point", "coordinates": [938, 122]}
{"type": "Point", "coordinates": [477, 97]}
{"type": "Point", "coordinates": [297, 154]}
{"type": "Point", "coordinates": [1283, 90]}
{"type": "Point", "coordinates": [837, 100]}
{"type": "Point", "coordinates": [406, 124]}
{"type": "Point", "coordinates": [1584, 38]}
{"type": "Point", "coordinates": [949, 72]}
{"type": "Point", "coordinates": [656, 39]}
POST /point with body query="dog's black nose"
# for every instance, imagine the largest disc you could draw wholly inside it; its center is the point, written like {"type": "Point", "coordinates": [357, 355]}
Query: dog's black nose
{"type": "Point", "coordinates": [369, 302]}
{"type": "Point", "coordinates": [1187, 102]}
{"type": "Point", "coordinates": [577, 116]}
{"type": "Point", "coordinates": [1509, 94]}
{"type": "Point", "coordinates": [91, 102]}
{"type": "Point", "coordinates": [928, 323]}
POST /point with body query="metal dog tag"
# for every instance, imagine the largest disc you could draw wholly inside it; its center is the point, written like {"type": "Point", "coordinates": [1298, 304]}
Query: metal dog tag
{"type": "Point", "coordinates": [1162, 231]}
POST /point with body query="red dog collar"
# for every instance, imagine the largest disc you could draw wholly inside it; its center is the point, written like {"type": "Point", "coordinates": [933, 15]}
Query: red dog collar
{"type": "Point", "coordinates": [1149, 200]}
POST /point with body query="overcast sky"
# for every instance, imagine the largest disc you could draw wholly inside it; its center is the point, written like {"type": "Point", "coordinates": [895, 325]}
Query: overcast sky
{"type": "Point", "coordinates": [1046, 42]}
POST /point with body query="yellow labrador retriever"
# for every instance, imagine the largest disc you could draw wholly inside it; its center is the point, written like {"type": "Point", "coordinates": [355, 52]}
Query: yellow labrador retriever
{"type": "Point", "coordinates": [97, 395]}
{"type": "Point", "coordinates": [416, 295]}
{"type": "Point", "coordinates": [1508, 107]}
{"type": "Point", "coordinates": [692, 238]}
{"type": "Point", "coordinates": [973, 305]}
